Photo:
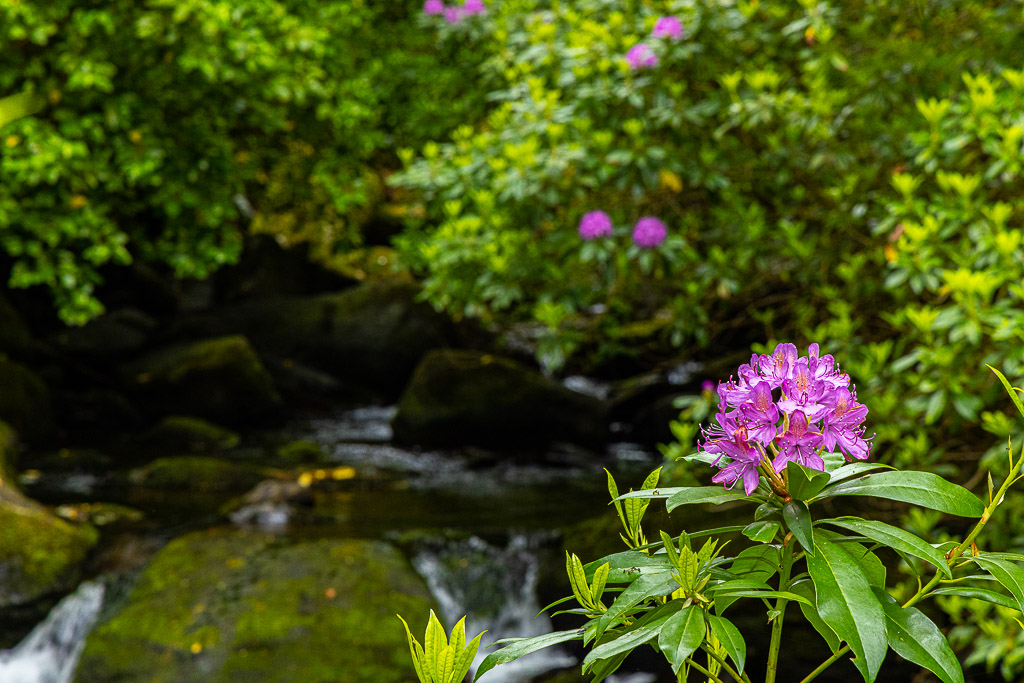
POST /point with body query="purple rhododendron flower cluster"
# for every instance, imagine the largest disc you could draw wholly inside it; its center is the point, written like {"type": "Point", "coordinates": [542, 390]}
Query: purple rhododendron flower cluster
{"type": "Point", "coordinates": [641, 56]}
{"type": "Point", "coordinates": [594, 225]}
{"type": "Point", "coordinates": [649, 233]}
{"type": "Point", "coordinates": [784, 408]}
{"type": "Point", "coordinates": [453, 14]}
{"type": "Point", "coordinates": [668, 27]}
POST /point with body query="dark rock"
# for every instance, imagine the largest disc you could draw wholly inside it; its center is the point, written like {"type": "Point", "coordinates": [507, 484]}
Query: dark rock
{"type": "Point", "coordinates": [465, 397]}
{"type": "Point", "coordinates": [226, 606]}
{"type": "Point", "coordinates": [301, 453]}
{"type": "Point", "coordinates": [266, 270]}
{"type": "Point", "coordinates": [25, 402]}
{"type": "Point", "coordinates": [373, 335]}
{"type": "Point", "coordinates": [8, 454]}
{"type": "Point", "coordinates": [219, 379]}
{"type": "Point", "coordinates": [40, 554]}
{"type": "Point", "coordinates": [15, 338]}
{"type": "Point", "coordinates": [116, 334]}
{"type": "Point", "coordinates": [198, 474]}
{"type": "Point", "coordinates": [183, 434]}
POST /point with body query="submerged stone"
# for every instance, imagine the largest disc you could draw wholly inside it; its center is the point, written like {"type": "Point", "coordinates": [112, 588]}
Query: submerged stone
{"type": "Point", "coordinates": [223, 606]}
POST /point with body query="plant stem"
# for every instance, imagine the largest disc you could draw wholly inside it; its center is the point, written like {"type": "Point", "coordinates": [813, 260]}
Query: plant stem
{"type": "Point", "coordinates": [826, 664]}
{"type": "Point", "coordinates": [742, 678]}
{"type": "Point", "coordinates": [704, 671]}
{"type": "Point", "coordinates": [780, 608]}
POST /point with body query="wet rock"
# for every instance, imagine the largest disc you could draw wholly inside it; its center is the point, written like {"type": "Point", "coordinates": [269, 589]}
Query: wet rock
{"type": "Point", "coordinates": [369, 336]}
{"type": "Point", "coordinates": [270, 504]}
{"type": "Point", "coordinates": [465, 397]}
{"type": "Point", "coordinates": [224, 606]}
{"type": "Point", "coordinates": [25, 401]}
{"type": "Point", "coordinates": [40, 554]}
{"type": "Point", "coordinates": [198, 474]}
{"type": "Point", "coordinates": [184, 434]}
{"type": "Point", "coordinates": [301, 453]}
{"type": "Point", "coordinates": [219, 379]}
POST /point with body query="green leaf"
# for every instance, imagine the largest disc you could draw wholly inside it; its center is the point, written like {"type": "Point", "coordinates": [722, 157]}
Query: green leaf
{"type": "Point", "coordinates": [613, 490]}
{"type": "Point", "coordinates": [853, 469]}
{"type": "Point", "coordinates": [805, 589]}
{"type": "Point", "coordinates": [762, 532]}
{"type": "Point", "coordinates": [730, 638]}
{"type": "Point", "coordinates": [978, 594]}
{"type": "Point", "coordinates": [846, 603]}
{"type": "Point", "coordinates": [916, 638]}
{"type": "Point", "coordinates": [600, 579]}
{"type": "Point", "coordinates": [715, 495]}
{"type": "Point", "coordinates": [920, 488]}
{"type": "Point", "coordinates": [804, 482]}
{"type": "Point", "coordinates": [625, 642]}
{"type": "Point", "coordinates": [520, 647]}
{"type": "Point", "coordinates": [798, 519]}
{"type": "Point", "coordinates": [417, 653]}
{"type": "Point", "coordinates": [760, 561]}
{"type": "Point", "coordinates": [577, 579]}
{"type": "Point", "coordinates": [895, 538]}
{"type": "Point", "coordinates": [643, 587]}
{"type": "Point", "coordinates": [662, 494]}
{"type": "Point", "coordinates": [465, 659]}
{"type": "Point", "coordinates": [682, 634]}
{"type": "Point", "coordinates": [445, 664]}
{"type": "Point", "coordinates": [1006, 573]}
{"type": "Point", "coordinates": [434, 642]}
{"type": "Point", "coordinates": [1009, 389]}
{"type": "Point", "coordinates": [626, 566]}
{"type": "Point", "coordinates": [16, 106]}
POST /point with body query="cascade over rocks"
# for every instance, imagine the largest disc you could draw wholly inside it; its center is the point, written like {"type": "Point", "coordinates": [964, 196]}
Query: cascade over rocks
{"type": "Point", "coordinates": [467, 397]}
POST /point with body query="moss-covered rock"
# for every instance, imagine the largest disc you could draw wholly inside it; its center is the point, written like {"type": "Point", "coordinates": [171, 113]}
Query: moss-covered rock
{"type": "Point", "coordinates": [465, 397]}
{"type": "Point", "coordinates": [301, 453]}
{"type": "Point", "coordinates": [370, 336]}
{"type": "Point", "coordinates": [40, 554]}
{"type": "Point", "coordinates": [226, 606]}
{"type": "Point", "coordinates": [8, 453]}
{"type": "Point", "coordinates": [198, 474]}
{"type": "Point", "coordinates": [219, 379]}
{"type": "Point", "coordinates": [25, 401]}
{"type": "Point", "coordinates": [184, 434]}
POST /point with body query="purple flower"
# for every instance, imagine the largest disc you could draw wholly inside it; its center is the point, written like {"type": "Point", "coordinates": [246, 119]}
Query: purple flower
{"type": "Point", "coordinates": [649, 233]}
{"type": "Point", "coordinates": [474, 6]}
{"type": "Point", "coordinates": [707, 387]}
{"type": "Point", "coordinates": [641, 56]}
{"type": "Point", "coordinates": [453, 15]}
{"type": "Point", "coordinates": [785, 408]}
{"type": "Point", "coordinates": [594, 225]}
{"type": "Point", "coordinates": [668, 27]}
{"type": "Point", "coordinates": [433, 7]}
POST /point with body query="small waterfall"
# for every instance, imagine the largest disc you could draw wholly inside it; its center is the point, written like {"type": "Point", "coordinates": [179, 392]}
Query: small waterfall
{"type": "Point", "coordinates": [496, 588]}
{"type": "Point", "coordinates": [50, 653]}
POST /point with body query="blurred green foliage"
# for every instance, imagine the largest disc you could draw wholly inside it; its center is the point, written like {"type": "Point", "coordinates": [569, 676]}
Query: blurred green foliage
{"type": "Point", "coordinates": [166, 121]}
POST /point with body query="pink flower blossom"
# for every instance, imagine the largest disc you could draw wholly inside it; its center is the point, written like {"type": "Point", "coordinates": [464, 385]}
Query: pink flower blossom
{"type": "Point", "coordinates": [474, 7]}
{"type": "Point", "coordinates": [641, 56]}
{"type": "Point", "coordinates": [668, 27]}
{"type": "Point", "coordinates": [433, 7]}
{"type": "Point", "coordinates": [453, 15]}
{"type": "Point", "coordinates": [595, 224]}
{"type": "Point", "coordinates": [649, 233]}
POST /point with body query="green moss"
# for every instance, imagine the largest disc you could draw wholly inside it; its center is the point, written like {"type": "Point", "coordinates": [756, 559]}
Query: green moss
{"type": "Point", "coordinates": [301, 453]}
{"type": "Point", "coordinates": [226, 606]}
{"type": "Point", "coordinates": [199, 474]}
{"type": "Point", "coordinates": [178, 433]}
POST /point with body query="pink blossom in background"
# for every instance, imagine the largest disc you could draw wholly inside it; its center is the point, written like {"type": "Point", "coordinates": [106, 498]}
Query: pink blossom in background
{"type": "Point", "coordinates": [641, 56]}
{"type": "Point", "coordinates": [594, 225]}
{"type": "Point", "coordinates": [668, 27]}
{"type": "Point", "coordinates": [649, 232]}
{"type": "Point", "coordinates": [474, 7]}
{"type": "Point", "coordinates": [453, 15]}
{"type": "Point", "coordinates": [433, 7]}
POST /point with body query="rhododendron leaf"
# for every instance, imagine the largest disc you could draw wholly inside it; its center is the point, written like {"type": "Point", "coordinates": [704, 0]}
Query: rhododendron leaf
{"type": "Point", "coordinates": [762, 532]}
{"type": "Point", "coordinates": [434, 641]}
{"type": "Point", "coordinates": [417, 654]}
{"type": "Point", "coordinates": [919, 488]}
{"type": "Point", "coordinates": [681, 635]}
{"type": "Point", "coordinates": [978, 594]}
{"type": "Point", "coordinates": [465, 660]}
{"type": "Point", "coordinates": [847, 604]}
{"type": "Point", "coordinates": [798, 520]}
{"type": "Point", "coordinates": [804, 482]}
{"type": "Point", "coordinates": [853, 469]}
{"type": "Point", "coordinates": [658, 494]}
{"type": "Point", "coordinates": [895, 538]}
{"type": "Point", "coordinates": [715, 495]}
{"type": "Point", "coordinates": [519, 647]}
{"type": "Point", "coordinates": [642, 588]}
{"type": "Point", "coordinates": [624, 567]}
{"type": "Point", "coordinates": [730, 638]}
{"type": "Point", "coordinates": [625, 642]}
{"type": "Point", "coordinates": [1009, 389]}
{"type": "Point", "coordinates": [916, 638]}
{"type": "Point", "coordinates": [1006, 573]}
{"type": "Point", "coordinates": [810, 611]}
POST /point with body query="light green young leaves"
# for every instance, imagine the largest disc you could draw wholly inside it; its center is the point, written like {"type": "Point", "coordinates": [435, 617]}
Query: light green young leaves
{"type": "Point", "coordinates": [438, 660]}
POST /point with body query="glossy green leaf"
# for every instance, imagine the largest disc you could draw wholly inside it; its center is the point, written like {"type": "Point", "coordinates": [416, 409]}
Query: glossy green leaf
{"type": "Point", "coordinates": [804, 482]}
{"type": "Point", "coordinates": [681, 635]}
{"type": "Point", "coordinates": [805, 589]}
{"type": "Point", "coordinates": [920, 488]}
{"type": "Point", "coordinates": [714, 495]}
{"type": "Point", "coordinates": [763, 531]}
{"type": "Point", "coordinates": [624, 567]}
{"type": "Point", "coordinates": [916, 638]}
{"type": "Point", "coordinates": [798, 520]}
{"type": "Point", "coordinates": [730, 638]}
{"type": "Point", "coordinates": [625, 642]}
{"type": "Point", "coordinates": [847, 604]}
{"type": "Point", "coordinates": [465, 660]}
{"type": "Point", "coordinates": [1006, 573]}
{"type": "Point", "coordinates": [643, 587]}
{"type": "Point", "coordinates": [854, 469]}
{"type": "Point", "coordinates": [417, 654]}
{"type": "Point", "coordinates": [978, 594]}
{"type": "Point", "coordinates": [895, 538]}
{"type": "Point", "coordinates": [520, 647]}
{"type": "Point", "coordinates": [1014, 396]}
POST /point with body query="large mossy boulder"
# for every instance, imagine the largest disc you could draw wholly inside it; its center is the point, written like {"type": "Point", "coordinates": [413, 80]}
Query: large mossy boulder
{"type": "Point", "coordinates": [220, 379]}
{"type": "Point", "coordinates": [224, 606]}
{"type": "Point", "coordinates": [464, 397]}
{"type": "Point", "coordinates": [198, 474]}
{"type": "Point", "coordinates": [40, 554]}
{"type": "Point", "coordinates": [25, 401]}
{"type": "Point", "coordinates": [369, 336]}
